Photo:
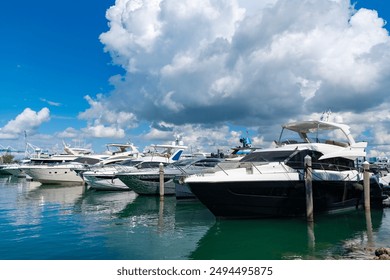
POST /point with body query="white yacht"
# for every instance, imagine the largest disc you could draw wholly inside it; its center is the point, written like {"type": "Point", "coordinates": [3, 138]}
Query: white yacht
{"type": "Point", "coordinates": [65, 172]}
{"type": "Point", "coordinates": [270, 182]}
{"type": "Point", "coordinates": [60, 173]}
{"type": "Point", "coordinates": [146, 181]}
{"type": "Point", "coordinates": [41, 158]}
{"type": "Point", "coordinates": [105, 178]}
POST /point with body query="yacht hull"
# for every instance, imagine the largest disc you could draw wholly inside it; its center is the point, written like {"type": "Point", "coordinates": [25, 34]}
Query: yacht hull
{"type": "Point", "coordinates": [148, 184]}
{"type": "Point", "coordinates": [266, 199]}
{"type": "Point", "coordinates": [50, 175]}
{"type": "Point", "coordinates": [111, 184]}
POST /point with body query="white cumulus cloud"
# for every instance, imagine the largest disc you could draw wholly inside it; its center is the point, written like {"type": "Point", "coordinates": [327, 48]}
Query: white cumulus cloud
{"type": "Point", "coordinates": [102, 131]}
{"type": "Point", "coordinates": [100, 112]}
{"type": "Point", "coordinates": [249, 63]}
{"type": "Point", "coordinates": [29, 120]}
{"type": "Point", "coordinates": [235, 60]}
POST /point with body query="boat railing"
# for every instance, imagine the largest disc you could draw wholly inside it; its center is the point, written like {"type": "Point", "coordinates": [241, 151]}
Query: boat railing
{"type": "Point", "coordinates": [181, 170]}
{"type": "Point", "coordinates": [297, 166]}
{"type": "Point", "coordinates": [226, 165]}
{"type": "Point", "coordinates": [321, 165]}
{"type": "Point", "coordinates": [123, 168]}
{"type": "Point", "coordinates": [250, 165]}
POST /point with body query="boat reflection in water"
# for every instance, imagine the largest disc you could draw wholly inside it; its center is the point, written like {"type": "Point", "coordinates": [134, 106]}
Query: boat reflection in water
{"type": "Point", "coordinates": [103, 203]}
{"type": "Point", "coordinates": [151, 229]}
{"type": "Point", "coordinates": [333, 236]}
{"type": "Point", "coordinates": [64, 222]}
{"type": "Point", "coordinates": [49, 194]}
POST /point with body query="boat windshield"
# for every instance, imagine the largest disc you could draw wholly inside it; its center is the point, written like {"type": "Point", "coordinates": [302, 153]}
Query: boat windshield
{"type": "Point", "coordinates": [87, 160]}
{"type": "Point", "coordinates": [268, 156]}
{"type": "Point", "coordinates": [204, 162]}
{"type": "Point", "coordinates": [129, 162]}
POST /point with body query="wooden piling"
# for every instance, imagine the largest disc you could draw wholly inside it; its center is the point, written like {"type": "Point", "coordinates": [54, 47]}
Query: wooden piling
{"type": "Point", "coordinates": [370, 232]}
{"type": "Point", "coordinates": [311, 237]}
{"type": "Point", "coordinates": [366, 177]}
{"type": "Point", "coordinates": [309, 189]}
{"type": "Point", "coordinates": [161, 214]}
{"type": "Point", "coordinates": [161, 171]}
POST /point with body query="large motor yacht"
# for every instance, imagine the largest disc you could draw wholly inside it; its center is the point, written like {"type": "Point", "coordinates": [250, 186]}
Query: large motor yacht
{"type": "Point", "coordinates": [271, 182]}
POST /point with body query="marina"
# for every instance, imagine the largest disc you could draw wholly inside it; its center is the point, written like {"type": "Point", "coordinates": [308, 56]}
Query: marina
{"type": "Point", "coordinates": [62, 222]}
{"type": "Point", "coordinates": [277, 203]}
{"type": "Point", "coordinates": [200, 140]}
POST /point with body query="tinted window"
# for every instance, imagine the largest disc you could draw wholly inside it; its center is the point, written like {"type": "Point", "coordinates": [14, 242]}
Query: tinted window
{"type": "Point", "coordinates": [270, 156]}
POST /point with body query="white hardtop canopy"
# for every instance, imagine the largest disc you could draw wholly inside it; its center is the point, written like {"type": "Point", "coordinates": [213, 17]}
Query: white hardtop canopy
{"type": "Point", "coordinates": [348, 147]}
{"type": "Point", "coordinates": [127, 147]}
{"type": "Point", "coordinates": [305, 127]}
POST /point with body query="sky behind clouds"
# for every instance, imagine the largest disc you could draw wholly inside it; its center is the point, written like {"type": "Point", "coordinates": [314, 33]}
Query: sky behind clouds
{"type": "Point", "coordinates": [208, 70]}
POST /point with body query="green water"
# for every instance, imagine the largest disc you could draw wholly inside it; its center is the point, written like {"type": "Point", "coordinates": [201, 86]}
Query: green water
{"type": "Point", "coordinates": [63, 222]}
{"type": "Point", "coordinates": [331, 237]}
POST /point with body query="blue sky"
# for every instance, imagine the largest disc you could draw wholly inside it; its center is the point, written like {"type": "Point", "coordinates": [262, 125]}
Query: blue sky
{"type": "Point", "coordinates": [51, 52]}
{"type": "Point", "coordinates": [207, 71]}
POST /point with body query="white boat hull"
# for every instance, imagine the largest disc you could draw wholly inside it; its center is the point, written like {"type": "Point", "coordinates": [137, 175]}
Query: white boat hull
{"type": "Point", "coordinates": [107, 185]}
{"type": "Point", "coordinates": [145, 187]}
{"type": "Point", "coordinates": [53, 175]}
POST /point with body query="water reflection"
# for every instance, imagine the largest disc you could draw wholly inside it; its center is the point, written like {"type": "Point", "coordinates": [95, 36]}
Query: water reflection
{"type": "Point", "coordinates": [4, 179]}
{"type": "Point", "coordinates": [103, 202]}
{"type": "Point", "coordinates": [154, 229]}
{"type": "Point", "coordinates": [53, 194]}
{"type": "Point", "coordinates": [62, 222]}
{"type": "Point", "coordinates": [329, 237]}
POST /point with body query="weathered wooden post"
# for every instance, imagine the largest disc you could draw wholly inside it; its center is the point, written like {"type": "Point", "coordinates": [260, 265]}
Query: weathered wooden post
{"type": "Point", "coordinates": [161, 213]}
{"type": "Point", "coordinates": [161, 208]}
{"type": "Point", "coordinates": [310, 236]}
{"type": "Point", "coordinates": [367, 203]}
{"type": "Point", "coordinates": [161, 171]}
{"type": "Point", "coordinates": [309, 189]}
{"type": "Point", "coordinates": [370, 233]}
{"type": "Point", "coordinates": [366, 177]}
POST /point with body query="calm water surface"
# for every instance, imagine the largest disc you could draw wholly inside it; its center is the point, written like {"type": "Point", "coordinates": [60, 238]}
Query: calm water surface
{"type": "Point", "coordinates": [47, 222]}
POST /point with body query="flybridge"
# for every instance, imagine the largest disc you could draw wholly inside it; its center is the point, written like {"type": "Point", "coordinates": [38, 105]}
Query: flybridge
{"type": "Point", "coordinates": [170, 148]}
{"type": "Point", "coordinates": [313, 131]}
